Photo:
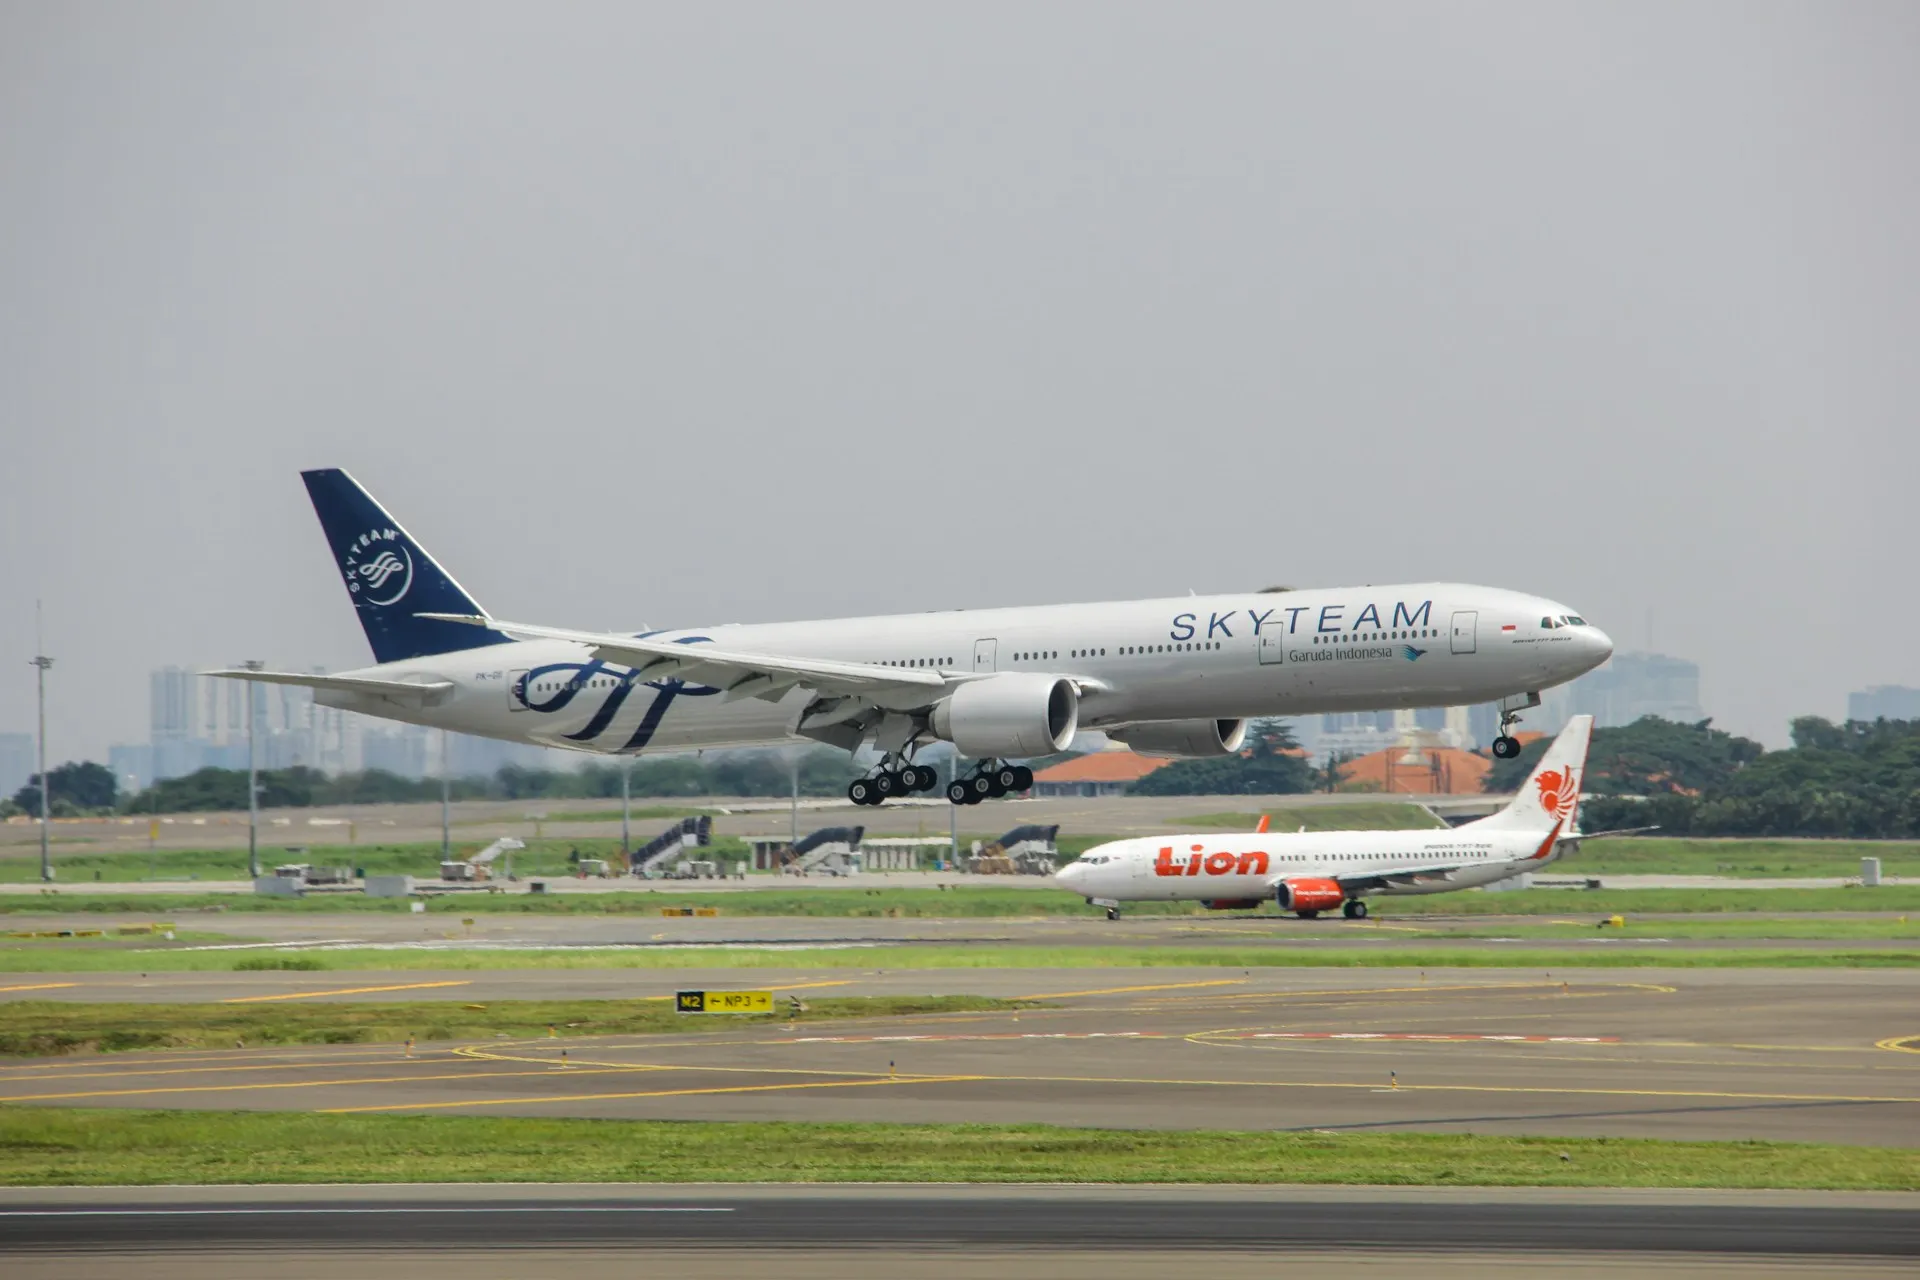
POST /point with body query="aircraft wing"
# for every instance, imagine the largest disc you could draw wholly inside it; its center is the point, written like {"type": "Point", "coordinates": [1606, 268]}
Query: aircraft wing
{"type": "Point", "coordinates": [406, 693]}
{"type": "Point", "coordinates": [1439, 872]}
{"type": "Point", "coordinates": [737, 674]}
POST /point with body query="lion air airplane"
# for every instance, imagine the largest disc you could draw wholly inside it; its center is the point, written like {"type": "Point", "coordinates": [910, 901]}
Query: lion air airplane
{"type": "Point", "coordinates": [1176, 677]}
{"type": "Point", "coordinates": [1310, 872]}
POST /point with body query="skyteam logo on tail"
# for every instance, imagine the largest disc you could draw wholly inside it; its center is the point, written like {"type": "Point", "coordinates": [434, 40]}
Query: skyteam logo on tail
{"type": "Point", "coordinates": [1410, 653]}
{"type": "Point", "coordinates": [379, 567]}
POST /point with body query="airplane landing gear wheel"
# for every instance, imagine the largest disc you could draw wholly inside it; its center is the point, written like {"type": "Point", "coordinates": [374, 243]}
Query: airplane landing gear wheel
{"type": "Point", "coordinates": [1354, 909]}
{"type": "Point", "coordinates": [957, 793]}
{"type": "Point", "coordinates": [1113, 913]}
{"type": "Point", "coordinates": [1506, 748]}
{"type": "Point", "coordinates": [862, 791]}
{"type": "Point", "coordinates": [913, 778]}
{"type": "Point", "coordinates": [1022, 778]}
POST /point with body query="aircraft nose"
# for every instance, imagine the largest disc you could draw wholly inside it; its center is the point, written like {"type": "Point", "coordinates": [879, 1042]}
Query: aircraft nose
{"type": "Point", "coordinates": [1601, 644]}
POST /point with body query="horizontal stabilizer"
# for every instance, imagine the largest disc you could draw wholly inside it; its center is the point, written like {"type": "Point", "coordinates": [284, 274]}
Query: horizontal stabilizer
{"type": "Point", "coordinates": [406, 693]}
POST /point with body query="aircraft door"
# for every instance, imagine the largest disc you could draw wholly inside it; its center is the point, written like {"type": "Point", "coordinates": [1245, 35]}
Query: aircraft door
{"type": "Point", "coordinates": [1273, 648]}
{"type": "Point", "coordinates": [985, 655]}
{"type": "Point", "coordinates": [1465, 622]}
{"type": "Point", "coordinates": [516, 691]}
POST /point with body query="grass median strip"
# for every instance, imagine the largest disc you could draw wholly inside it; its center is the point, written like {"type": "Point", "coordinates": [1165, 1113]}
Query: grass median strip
{"type": "Point", "coordinates": [1428, 953]}
{"type": "Point", "coordinates": [44, 1147]}
{"type": "Point", "coordinates": [44, 1028]}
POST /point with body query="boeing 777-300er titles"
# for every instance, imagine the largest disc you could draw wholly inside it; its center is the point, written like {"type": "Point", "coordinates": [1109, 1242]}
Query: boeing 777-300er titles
{"type": "Point", "coordinates": [1176, 677]}
{"type": "Point", "coordinates": [1310, 872]}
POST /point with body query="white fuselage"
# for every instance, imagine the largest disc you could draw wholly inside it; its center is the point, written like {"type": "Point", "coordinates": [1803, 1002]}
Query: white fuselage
{"type": "Point", "coordinates": [1186, 658]}
{"type": "Point", "coordinates": [1247, 866]}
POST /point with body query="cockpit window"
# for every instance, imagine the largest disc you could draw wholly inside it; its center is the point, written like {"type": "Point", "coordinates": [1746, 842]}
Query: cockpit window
{"type": "Point", "coordinates": [1576, 620]}
{"type": "Point", "coordinates": [1546, 624]}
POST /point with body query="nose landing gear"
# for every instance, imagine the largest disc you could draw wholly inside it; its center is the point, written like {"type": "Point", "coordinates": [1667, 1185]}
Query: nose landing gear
{"type": "Point", "coordinates": [1506, 746]}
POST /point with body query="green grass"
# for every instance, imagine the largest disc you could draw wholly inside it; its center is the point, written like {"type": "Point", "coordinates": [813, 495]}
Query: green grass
{"type": "Point", "coordinates": [1763, 859]}
{"type": "Point", "coordinates": [1829, 928]}
{"type": "Point", "coordinates": [41, 1028]}
{"type": "Point", "coordinates": [1377, 816]}
{"type": "Point", "coordinates": [966, 902]}
{"type": "Point", "coordinates": [46, 1147]}
{"type": "Point", "coordinates": [1426, 953]}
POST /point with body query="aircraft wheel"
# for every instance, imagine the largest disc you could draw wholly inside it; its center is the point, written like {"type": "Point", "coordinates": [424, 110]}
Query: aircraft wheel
{"type": "Point", "coordinates": [1308, 915]}
{"type": "Point", "coordinates": [1506, 748]}
{"type": "Point", "coordinates": [1022, 778]}
{"type": "Point", "coordinates": [1354, 909]}
{"type": "Point", "coordinates": [957, 793]}
{"type": "Point", "coordinates": [861, 791]}
{"type": "Point", "coordinates": [909, 778]}
{"type": "Point", "coordinates": [979, 787]}
{"type": "Point", "coordinates": [1113, 913]}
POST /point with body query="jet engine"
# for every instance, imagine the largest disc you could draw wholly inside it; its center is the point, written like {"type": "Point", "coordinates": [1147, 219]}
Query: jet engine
{"type": "Point", "coordinates": [1183, 739]}
{"type": "Point", "coordinates": [1009, 715]}
{"type": "Point", "coordinates": [1309, 893]}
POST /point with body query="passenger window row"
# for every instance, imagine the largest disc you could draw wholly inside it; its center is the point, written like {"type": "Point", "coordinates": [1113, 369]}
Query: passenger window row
{"type": "Point", "coordinates": [1354, 637]}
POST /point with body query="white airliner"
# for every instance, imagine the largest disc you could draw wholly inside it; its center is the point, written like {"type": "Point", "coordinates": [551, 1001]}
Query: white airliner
{"type": "Point", "coordinates": [1310, 872]}
{"type": "Point", "coordinates": [1175, 677]}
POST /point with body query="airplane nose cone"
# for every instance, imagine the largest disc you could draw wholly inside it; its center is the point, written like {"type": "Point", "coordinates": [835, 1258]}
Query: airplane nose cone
{"type": "Point", "coordinates": [1601, 643]}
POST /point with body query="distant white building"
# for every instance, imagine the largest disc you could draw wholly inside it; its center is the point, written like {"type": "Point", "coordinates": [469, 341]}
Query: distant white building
{"type": "Point", "coordinates": [1884, 702]}
{"type": "Point", "coordinates": [1632, 685]}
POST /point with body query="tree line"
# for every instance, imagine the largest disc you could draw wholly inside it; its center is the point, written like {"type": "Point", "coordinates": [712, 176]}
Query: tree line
{"type": "Point", "coordinates": [1858, 779]}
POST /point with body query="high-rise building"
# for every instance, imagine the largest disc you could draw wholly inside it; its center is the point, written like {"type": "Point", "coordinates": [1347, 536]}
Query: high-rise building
{"type": "Point", "coordinates": [16, 762]}
{"type": "Point", "coordinates": [1884, 702]}
{"type": "Point", "coordinates": [1632, 685]}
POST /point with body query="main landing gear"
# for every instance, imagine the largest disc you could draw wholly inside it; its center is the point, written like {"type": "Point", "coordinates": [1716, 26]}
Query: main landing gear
{"type": "Point", "coordinates": [1354, 909]}
{"type": "Point", "coordinates": [895, 776]}
{"type": "Point", "coordinates": [989, 780]}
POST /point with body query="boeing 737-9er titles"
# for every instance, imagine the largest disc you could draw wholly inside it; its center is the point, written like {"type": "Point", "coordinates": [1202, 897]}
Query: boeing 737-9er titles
{"type": "Point", "coordinates": [1310, 872]}
{"type": "Point", "coordinates": [1170, 677]}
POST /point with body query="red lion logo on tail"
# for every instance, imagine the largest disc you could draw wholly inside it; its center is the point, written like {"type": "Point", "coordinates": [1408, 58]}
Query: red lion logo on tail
{"type": "Point", "coordinates": [1558, 791]}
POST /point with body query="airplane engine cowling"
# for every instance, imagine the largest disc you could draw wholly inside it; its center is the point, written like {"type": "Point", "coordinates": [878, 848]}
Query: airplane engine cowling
{"type": "Point", "coordinates": [1183, 739]}
{"type": "Point", "coordinates": [1011, 715]}
{"type": "Point", "coordinates": [1309, 893]}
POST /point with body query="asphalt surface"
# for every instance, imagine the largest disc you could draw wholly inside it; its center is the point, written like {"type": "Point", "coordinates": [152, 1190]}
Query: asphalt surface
{"type": "Point", "coordinates": [1106, 1219]}
{"type": "Point", "coordinates": [1736, 1054]}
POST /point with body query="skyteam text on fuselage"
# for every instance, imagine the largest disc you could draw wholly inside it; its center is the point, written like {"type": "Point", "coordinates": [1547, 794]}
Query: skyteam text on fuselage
{"type": "Point", "coordinates": [1313, 871]}
{"type": "Point", "coordinates": [1174, 677]}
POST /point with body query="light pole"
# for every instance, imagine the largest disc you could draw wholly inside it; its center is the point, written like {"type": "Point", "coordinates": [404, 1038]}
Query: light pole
{"type": "Point", "coordinates": [446, 801]}
{"type": "Point", "coordinates": [253, 782]}
{"type": "Point", "coordinates": [44, 663]}
{"type": "Point", "coordinates": [626, 807]}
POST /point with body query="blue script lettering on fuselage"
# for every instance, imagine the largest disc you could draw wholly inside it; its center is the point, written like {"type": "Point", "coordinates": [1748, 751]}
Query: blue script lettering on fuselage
{"type": "Point", "coordinates": [576, 679]}
{"type": "Point", "coordinates": [1331, 620]}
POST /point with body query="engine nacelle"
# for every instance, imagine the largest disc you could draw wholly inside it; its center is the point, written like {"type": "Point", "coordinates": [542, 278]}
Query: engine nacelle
{"type": "Point", "coordinates": [1183, 739]}
{"type": "Point", "coordinates": [1013, 714]}
{"type": "Point", "coordinates": [1309, 893]}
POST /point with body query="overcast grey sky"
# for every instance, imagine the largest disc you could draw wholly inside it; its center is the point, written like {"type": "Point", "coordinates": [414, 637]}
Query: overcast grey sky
{"type": "Point", "coordinates": [677, 314]}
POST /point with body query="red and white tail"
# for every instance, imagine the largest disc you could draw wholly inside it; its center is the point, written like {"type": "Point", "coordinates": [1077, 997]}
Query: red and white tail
{"type": "Point", "coordinates": [1550, 797]}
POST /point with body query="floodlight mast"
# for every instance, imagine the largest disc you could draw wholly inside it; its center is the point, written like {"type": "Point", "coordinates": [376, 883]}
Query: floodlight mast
{"type": "Point", "coordinates": [253, 781]}
{"type": "Point", "coordinates": [44, 664]}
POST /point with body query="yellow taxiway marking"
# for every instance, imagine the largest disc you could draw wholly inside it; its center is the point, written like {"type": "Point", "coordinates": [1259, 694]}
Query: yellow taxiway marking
{"type": "Point", "coordinates": [1161, 986]}
{"type": "Point", "coordinates": [41, 986]}
{"type": "Point", "coordinates": [350, 991]}
{"type": "Point", "coordinates": [1900, 1044]}
{"type": "Point", "coordinates": [656, 1093]}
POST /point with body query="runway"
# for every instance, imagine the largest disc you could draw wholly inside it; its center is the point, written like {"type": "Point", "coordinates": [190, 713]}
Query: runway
{"type": "Point", "coordinates": [1806, 1056]}
{"type": "Point", "coordinates": [369, 1231]}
